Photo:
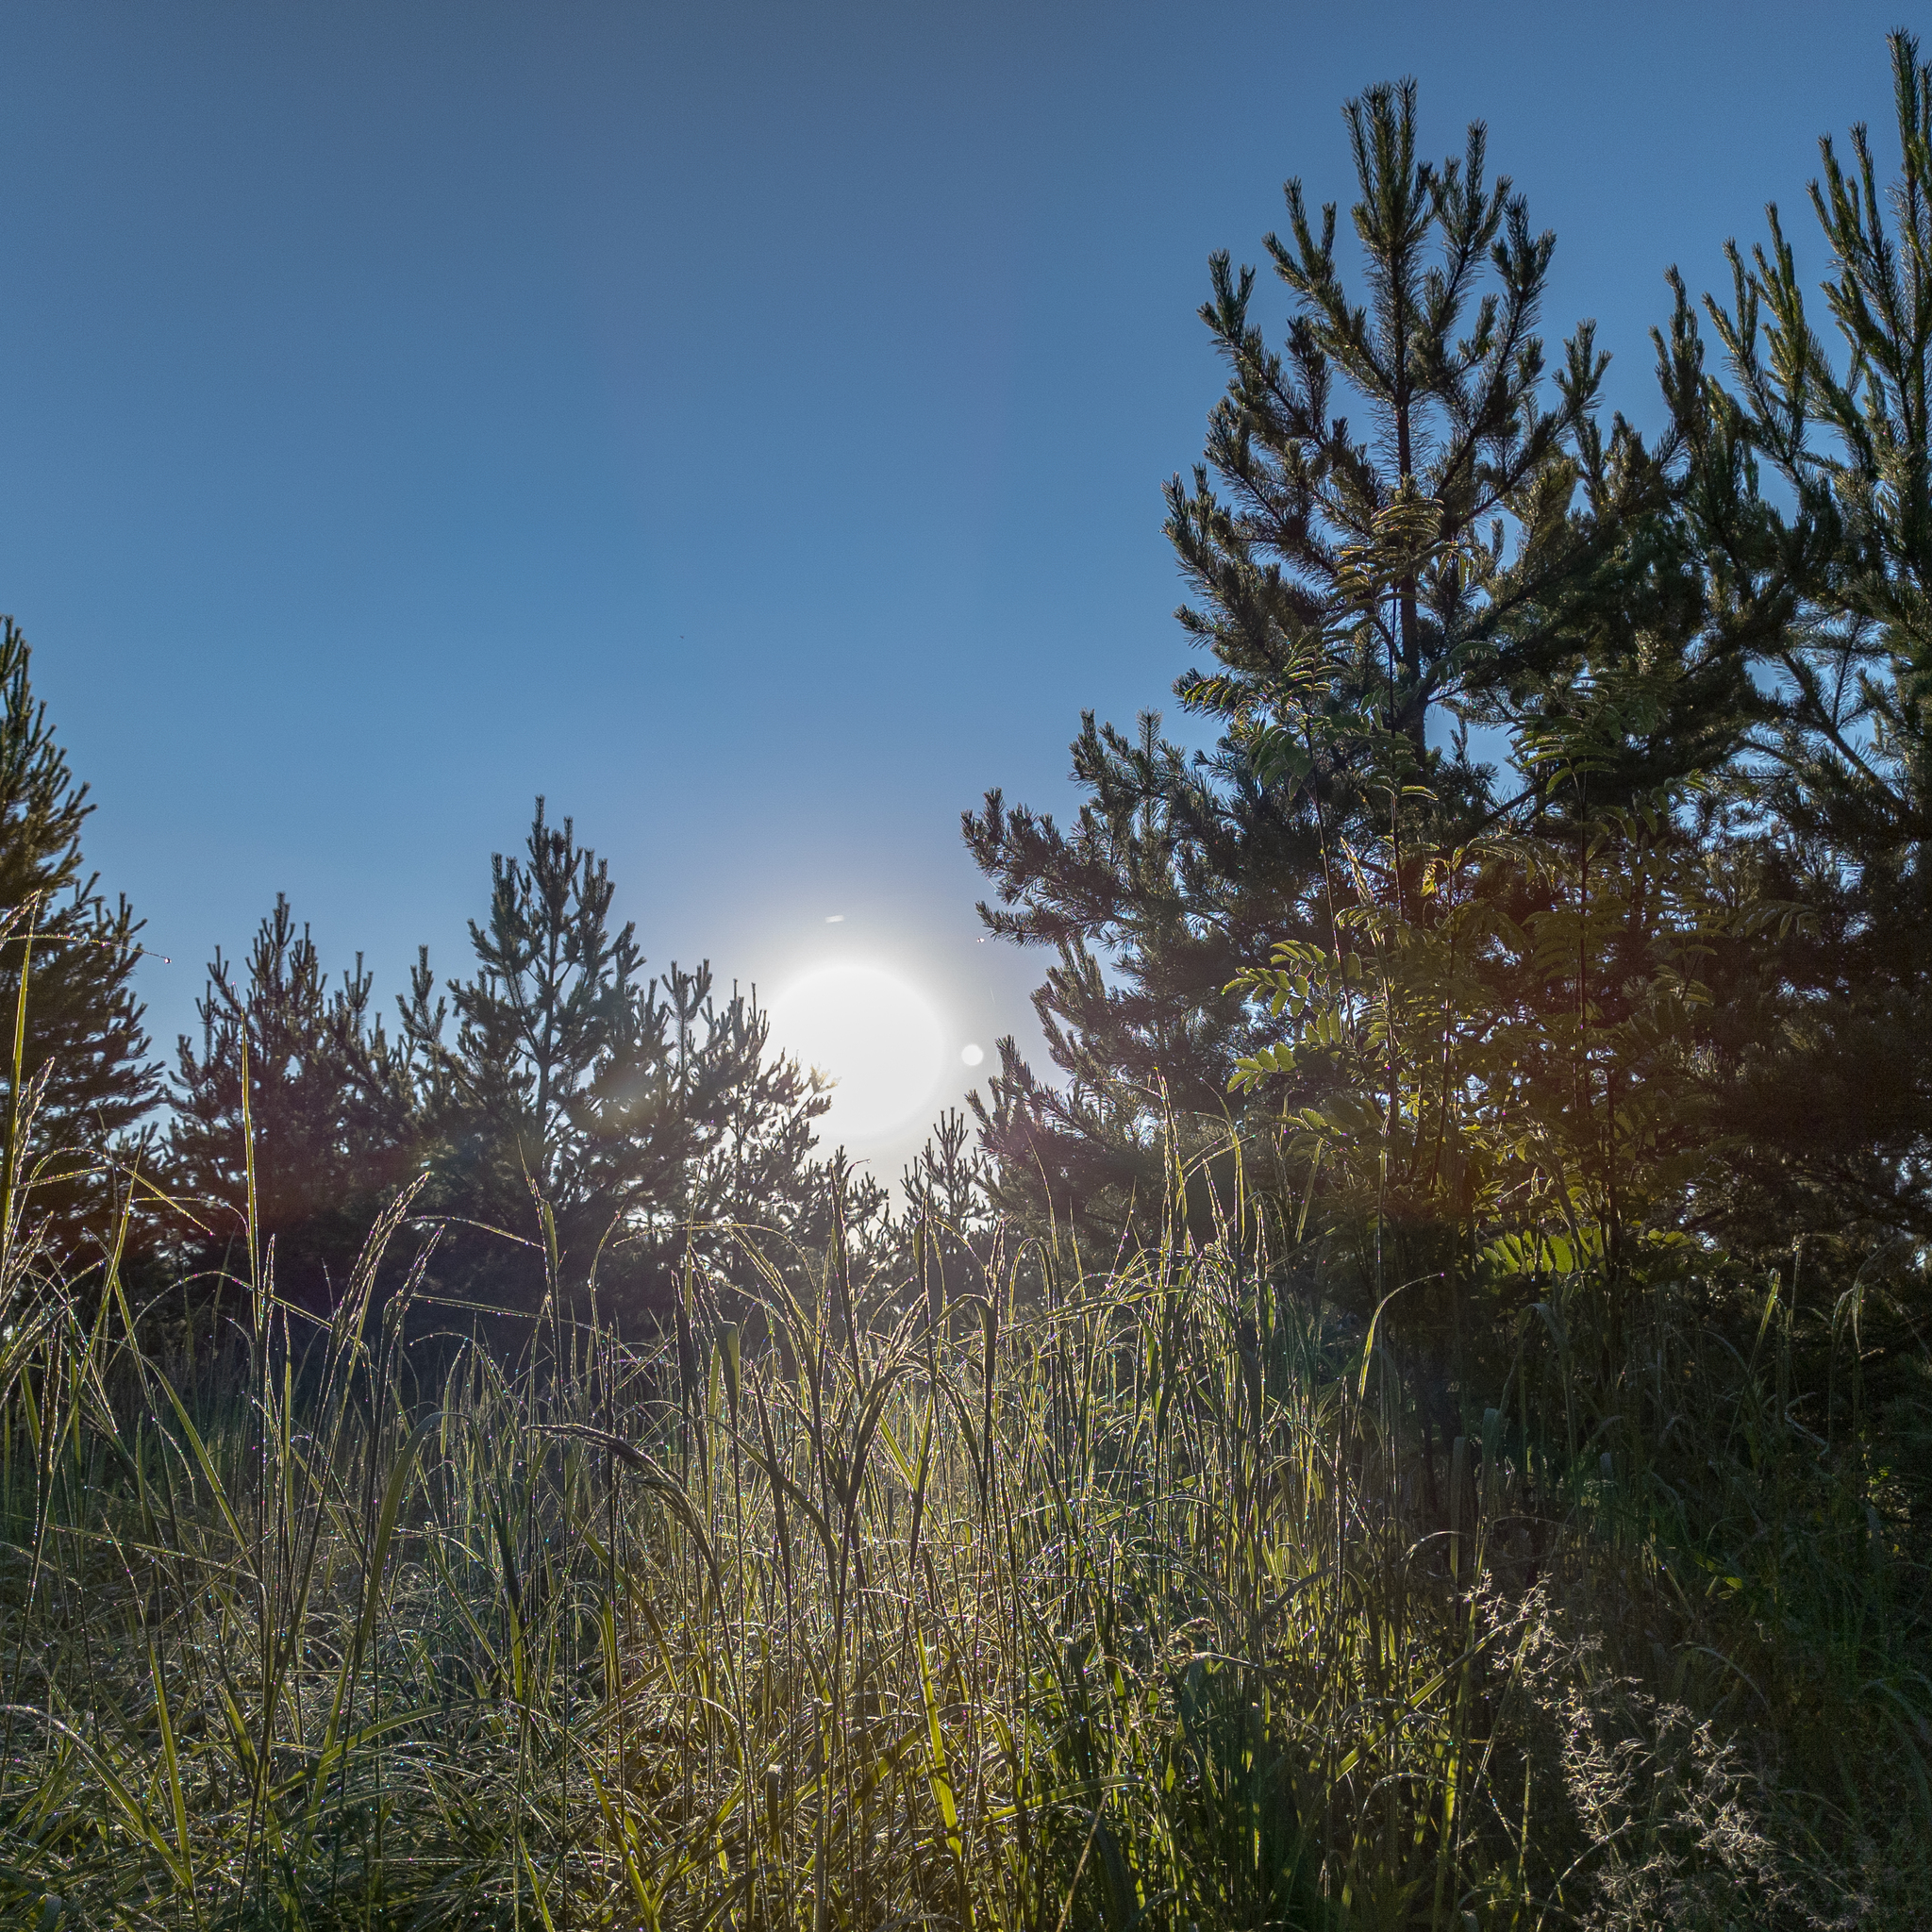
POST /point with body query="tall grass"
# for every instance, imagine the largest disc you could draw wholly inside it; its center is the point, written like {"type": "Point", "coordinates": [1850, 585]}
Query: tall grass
{"type": "Point", "coordinates": [1016, 1591]}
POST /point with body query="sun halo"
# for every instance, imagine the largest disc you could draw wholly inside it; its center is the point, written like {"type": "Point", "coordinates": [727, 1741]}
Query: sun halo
{"type": "Point", "coordinates": [870, 1033]}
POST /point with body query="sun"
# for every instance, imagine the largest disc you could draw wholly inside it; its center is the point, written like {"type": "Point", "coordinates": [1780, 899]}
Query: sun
{"type": "Point", "coordinates": [872, 1035]}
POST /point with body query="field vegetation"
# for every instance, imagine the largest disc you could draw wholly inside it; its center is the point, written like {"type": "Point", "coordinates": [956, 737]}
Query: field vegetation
{"type": "Point", "coordinates": [1013, 1592]}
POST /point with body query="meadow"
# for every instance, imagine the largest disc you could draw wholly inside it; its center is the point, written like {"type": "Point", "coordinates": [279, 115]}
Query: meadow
{"type": "Point", "coordinates": [1008, 1587]}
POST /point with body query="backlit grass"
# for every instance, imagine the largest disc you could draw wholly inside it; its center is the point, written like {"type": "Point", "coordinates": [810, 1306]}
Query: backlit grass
{"type": "Point", "coordinates": [1015, 1592]}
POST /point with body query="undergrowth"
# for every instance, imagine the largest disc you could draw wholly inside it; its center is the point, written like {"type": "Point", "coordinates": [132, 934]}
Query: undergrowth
{"type": "Point", "coordinates": [1007, 1591]}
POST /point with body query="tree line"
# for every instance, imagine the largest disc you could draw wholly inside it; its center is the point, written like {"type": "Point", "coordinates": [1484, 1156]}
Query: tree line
{"type": "Point", "coordinates": [1553, 896]}
{"type": "Point", "coordinates": [556, 1108]}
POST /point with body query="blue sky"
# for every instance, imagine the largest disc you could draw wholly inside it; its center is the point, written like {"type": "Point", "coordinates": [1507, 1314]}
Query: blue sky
{"type": "Point", "coordinates": [745, 425]}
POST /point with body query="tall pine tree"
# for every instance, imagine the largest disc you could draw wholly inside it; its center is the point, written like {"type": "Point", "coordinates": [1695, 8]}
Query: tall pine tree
{"type": "Point", "coordinates": [1402, 527]}
{"type": "Point", "coordinates": [1812, 487]}
{"type": "Point", "coordinates": [332, 1107]}
{"type": "Point", "coordinates": [67, 956]}
{"type": "Point", "coordinates": [584, 1118]}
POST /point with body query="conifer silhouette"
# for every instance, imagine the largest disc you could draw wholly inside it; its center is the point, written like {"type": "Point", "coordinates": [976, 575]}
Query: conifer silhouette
{"type": "Point", "coordinates": [85, 1079]}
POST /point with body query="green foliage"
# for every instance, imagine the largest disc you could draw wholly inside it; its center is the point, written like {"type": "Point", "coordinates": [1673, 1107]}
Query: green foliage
{"type": "Point", "coordinates": [1445, 552]}
{"type": "Point", "coordinates": [1459, 451]}
{"type": "Point", "coordinates": [1665, 972]}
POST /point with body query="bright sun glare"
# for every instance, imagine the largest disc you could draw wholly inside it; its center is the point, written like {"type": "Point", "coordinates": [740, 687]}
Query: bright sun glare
{"type": "Point", "coordinates": [874, 1035]}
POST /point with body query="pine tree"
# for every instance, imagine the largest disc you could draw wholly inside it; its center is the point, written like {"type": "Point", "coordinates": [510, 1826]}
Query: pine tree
{"type": "Point", "coordinates": [332, 1108]}
{"type": "Point", "coordinates": [1368, 584]}
{"type": "Point", "coordinates": [1825, 566]}
{"type": "Point", "coordinates": [573, 1102]}
{"type": "Point", "coordinates": [84, 1082]}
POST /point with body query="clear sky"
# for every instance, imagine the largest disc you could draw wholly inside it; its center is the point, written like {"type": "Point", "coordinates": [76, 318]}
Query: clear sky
{"type": "Point", "coordinates": [743, 424]}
